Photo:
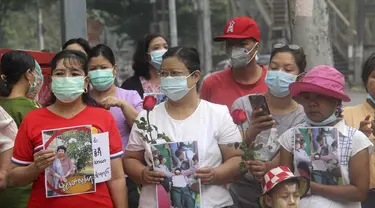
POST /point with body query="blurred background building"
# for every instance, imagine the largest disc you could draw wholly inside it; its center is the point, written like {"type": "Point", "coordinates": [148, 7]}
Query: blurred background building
{"type": "Point", "coordinates": [36, 25]}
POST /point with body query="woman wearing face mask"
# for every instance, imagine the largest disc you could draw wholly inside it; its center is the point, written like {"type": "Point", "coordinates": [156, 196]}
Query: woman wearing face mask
{"type": "Point", "coordinates": [362, 117]}
{"type": "Point", "coordinates": [62, 167]}
{"type": "Point", "coordinates": [184, 117]}
{"type": "Point", "coordinates": [19, 82]}
{"type": "Point", "coordinates": [71, 107]}
{"type": "Point", "coordinates": [287, 61]}
{"type": "Point", "coordinates": [146, 65]}
{"type": "Point", "coordinates": [321, 92]}
{"type": "Point", "coordinates": [123, 104]}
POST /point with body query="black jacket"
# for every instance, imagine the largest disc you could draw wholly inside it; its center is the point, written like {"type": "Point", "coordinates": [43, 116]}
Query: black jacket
{"type": "Point", "coordinates": [133, 83]}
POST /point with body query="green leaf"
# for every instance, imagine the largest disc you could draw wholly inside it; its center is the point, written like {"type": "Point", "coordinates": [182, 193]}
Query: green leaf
{"type": "Point", "coordinates": [143, 119]}
{"type": "Point", "coordinates": [155, 127]}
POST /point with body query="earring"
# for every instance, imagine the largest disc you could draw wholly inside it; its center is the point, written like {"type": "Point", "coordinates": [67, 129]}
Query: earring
{"type": "Point", "coordinates": [85, 90]}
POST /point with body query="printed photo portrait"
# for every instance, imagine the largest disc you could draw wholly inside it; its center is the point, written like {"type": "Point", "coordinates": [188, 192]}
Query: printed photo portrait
{"type": "Point", "coordinates": [72, 171]}
{"type": "Point", "coordinates": [315, 155]}
{"type": "Point", "coordinates": [179, 162]}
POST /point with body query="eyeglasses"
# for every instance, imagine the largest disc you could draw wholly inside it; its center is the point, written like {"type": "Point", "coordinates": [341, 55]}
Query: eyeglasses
{"type": "Point", "coordinates": [170, 73]}
{"type": "Point", "coordinates": [291, 47]}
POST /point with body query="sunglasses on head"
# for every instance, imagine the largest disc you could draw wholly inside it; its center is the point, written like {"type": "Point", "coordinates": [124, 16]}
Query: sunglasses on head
{"type": "Point", "coordinates": [291, 47]}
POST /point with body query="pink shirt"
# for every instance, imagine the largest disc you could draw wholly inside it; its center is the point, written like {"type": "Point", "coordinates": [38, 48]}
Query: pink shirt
{"type": "Point", "coordinates": [8, 131]}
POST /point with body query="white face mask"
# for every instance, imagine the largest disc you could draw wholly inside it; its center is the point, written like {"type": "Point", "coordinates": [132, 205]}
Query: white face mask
{"type": "Point", "coordinates": [239, 56]}
{"type": "Point", "coordinates": [175, 88]}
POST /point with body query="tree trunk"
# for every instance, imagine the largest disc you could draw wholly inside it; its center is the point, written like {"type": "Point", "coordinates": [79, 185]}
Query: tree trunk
{"type": "Point", "coordinates": [310, 30]}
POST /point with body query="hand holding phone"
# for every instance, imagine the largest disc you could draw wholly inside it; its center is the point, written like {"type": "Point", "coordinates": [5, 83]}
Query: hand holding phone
{"type": "Point", "coordinates": [261, 118]}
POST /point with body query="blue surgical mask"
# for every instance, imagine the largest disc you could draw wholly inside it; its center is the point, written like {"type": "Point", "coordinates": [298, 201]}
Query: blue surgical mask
{"type": "Point", "coordinates": [101, 79]}
{"type": "Point", "coordinates": [278, 82]}
{"type": "Point", "coordinates": [68, 89]}
{"type": "Point", "coordinates": [38, 83]}
{"type": "Point", "coordinates": [157, 58]}
{"type": "Point", "coordinates": [175, 88]}
{"type": "Point", "coordinates": [371, 98]}
{"type": "Point", "coordinates": [329, 120]}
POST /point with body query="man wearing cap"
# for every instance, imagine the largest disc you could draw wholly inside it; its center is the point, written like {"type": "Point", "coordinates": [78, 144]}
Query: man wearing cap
{"type": "Point", "coordinates": [242, 37]}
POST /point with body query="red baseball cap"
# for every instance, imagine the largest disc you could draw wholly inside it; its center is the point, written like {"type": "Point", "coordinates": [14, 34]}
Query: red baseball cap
{"type": "Point", "coordinates": [240, 28]}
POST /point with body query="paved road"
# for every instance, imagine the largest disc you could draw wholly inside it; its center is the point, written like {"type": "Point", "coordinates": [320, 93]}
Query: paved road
{"type": "Point", "coordinates": [357, 98]}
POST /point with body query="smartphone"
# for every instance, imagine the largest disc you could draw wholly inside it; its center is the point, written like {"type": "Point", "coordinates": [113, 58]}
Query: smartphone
{"type": "Point", "coordinates": [259, 101]}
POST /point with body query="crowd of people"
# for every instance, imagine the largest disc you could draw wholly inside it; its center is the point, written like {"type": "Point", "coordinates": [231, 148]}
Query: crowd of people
{"type": "Point", "coordinates": [83, 92]}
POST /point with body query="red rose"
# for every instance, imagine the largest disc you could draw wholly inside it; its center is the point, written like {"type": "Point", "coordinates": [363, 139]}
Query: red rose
{"type": "Point", "coordinates": [238, 116]}
{"type": "Point", "coordinates": [149, 103]}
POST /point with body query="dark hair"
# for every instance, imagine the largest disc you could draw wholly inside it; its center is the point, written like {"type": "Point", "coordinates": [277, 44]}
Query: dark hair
{"type": "Point", "coordinates": [71, 57]}
{"type": "Point", "coordinates": [340, 109]}
{"type": "Point", "coordinates": [141, 58]}
{"type": "Point", "coordinates": [189, 56]}
{"type": "Point", "coordinates": [80, 41]}
{"type": "Point", "coordinates": [319, 138]}
{"type": "Point", "coordinates": [161, 157]}
{"type": "Point", "coordinates": [14, 64]}
{"type": "Point", "coordinates": [299, 56]}
{"type": "Point", "coordinates": [195, 157]}
{"type": "Point", "coordinates": [102, 50]}
{"type": "Point", "coordinates": [367, 68]}
{"type": "Point", "coordinates": [62, 147]}
{"type": "Point", "coordinates": [178, 152]}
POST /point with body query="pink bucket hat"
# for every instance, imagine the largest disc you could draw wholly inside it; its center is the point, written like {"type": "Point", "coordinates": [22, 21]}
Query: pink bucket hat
{"type": "Point", "coordinates": [323, 80]}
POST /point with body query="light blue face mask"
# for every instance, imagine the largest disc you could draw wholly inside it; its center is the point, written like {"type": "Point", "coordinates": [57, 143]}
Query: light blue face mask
{"type": "Point", "coordinates": [157, 58]}
{"type": "Point", "coordinates": [371, 98]}
{"type": "Point", "coordinates": [329, 120]}
{"type": "Point", "coordinates": [101, 79]}
{"type": "Point", "coordinates": [68, 89]}
{"type": "Point", "coordinates": [278, 82]}
{"type": "Point", "coordinates": [175, 88]}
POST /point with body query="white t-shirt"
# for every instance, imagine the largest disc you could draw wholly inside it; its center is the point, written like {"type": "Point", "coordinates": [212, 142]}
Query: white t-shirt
{"type": "Point", "coordinates": [210, 125]}
{"type": "Point", "coordinates": [358, 142]}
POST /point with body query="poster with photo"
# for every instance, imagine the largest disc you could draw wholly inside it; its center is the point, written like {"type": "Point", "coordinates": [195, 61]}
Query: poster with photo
{"type": "Point", "coordinates": [72, 172]}
{"type": "Point", "coordinates": [316, 155]}
{"type": "Point", "coordinates": [159, 96]}
{"type": "Point", "coordinates": [179, 162]}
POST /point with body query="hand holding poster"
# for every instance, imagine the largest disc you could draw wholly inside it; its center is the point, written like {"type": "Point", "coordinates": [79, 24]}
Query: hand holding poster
{"type": "Point", "coordinates": [72, 172]}
{"type": "Point", "coordinates": [179, 162]}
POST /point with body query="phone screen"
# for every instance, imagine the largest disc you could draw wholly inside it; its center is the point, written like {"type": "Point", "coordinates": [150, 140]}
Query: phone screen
{"type": "Point", "coordinates": [259, 101]}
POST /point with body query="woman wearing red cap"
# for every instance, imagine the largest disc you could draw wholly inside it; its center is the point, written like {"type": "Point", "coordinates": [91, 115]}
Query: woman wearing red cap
{"type": "Point", "coordinates": [321, 92]}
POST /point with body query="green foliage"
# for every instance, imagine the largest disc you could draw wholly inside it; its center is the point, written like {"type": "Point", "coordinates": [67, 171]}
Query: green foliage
{"type": "Point", "coordinates": [79, 147]}
{"type": "Point", "coordinates": [134, 17]}
{"type": "Point", "coordinates": [18, 24]}
{"type": "Point", "coordinates": [146, 129]}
